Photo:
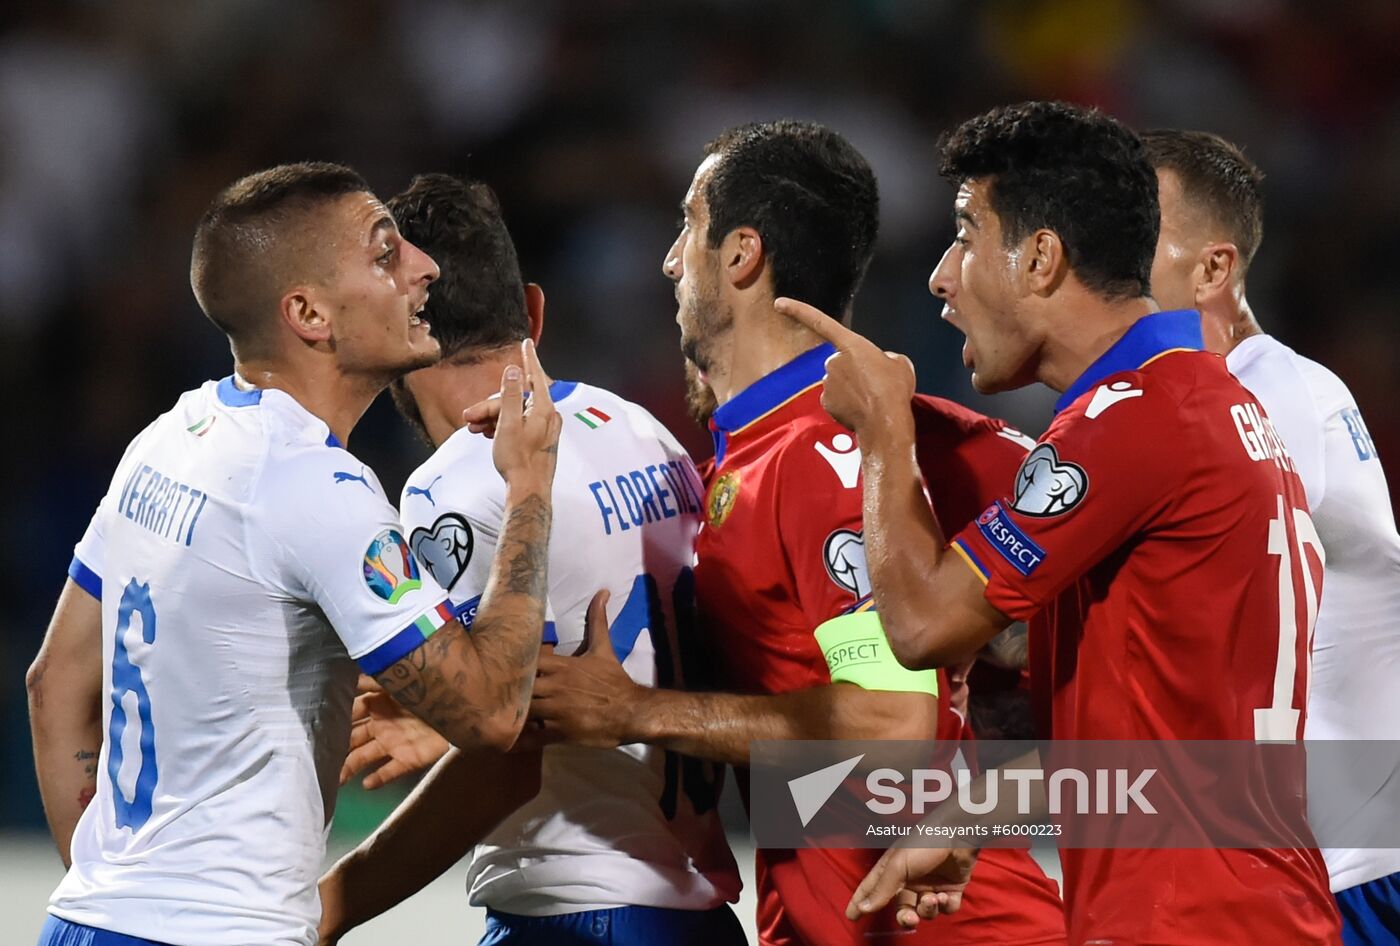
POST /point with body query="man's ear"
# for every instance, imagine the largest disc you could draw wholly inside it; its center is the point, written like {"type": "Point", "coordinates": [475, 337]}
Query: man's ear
{"type": "Point", "coordinates": [1215, 272]}
{"type": "Point", "coordinates": [303, 314]}
{"type": "Point", "coordinates": [742, 256]}
{"type": "Point", "coordinates": [1043, 262]}
{"type": "Point", "coordinates": [534, 310]}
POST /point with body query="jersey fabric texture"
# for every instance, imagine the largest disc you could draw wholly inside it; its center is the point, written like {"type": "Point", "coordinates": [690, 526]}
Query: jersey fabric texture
{"type": "Point", "coordinates": [1159, 529]}
{"type": "Point", "coordinates": [781, 552]}
{"type": "Point", "coordinates": [241, 557]}
{"type": "Point", "coordinates": [1356, 644]}
{"type": "Point", "coordinates": [635, 825]}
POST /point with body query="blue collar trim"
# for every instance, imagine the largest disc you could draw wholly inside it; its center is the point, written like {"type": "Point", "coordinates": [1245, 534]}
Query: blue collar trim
{"type": "Point", "coordinates": [1145, 339]}
{"type": "Point", "coordinates": [772, 390]}
{"type": "Point", "coordinates": [561, 389]}
{"type": "Point", "coordinates": [231, 395]}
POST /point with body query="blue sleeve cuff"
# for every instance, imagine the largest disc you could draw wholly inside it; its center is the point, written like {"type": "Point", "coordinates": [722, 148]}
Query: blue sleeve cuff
{"type": "Point", "coordinates": [85, 578]}
{"type": "Point", "coordinates": [407, 640]}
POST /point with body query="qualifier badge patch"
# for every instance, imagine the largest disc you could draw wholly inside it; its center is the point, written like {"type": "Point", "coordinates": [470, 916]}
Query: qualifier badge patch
{"type": "Point", "coordinates": [390, 569]}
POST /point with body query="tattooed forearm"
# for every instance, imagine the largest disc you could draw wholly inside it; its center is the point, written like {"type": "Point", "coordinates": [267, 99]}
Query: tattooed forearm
{"type": "Point", "coordinates": [475, 687]}
{"type": "Point", "coordinates": [525, 540]}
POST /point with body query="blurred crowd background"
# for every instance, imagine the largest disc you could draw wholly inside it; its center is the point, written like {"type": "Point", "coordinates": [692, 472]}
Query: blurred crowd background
{"type": "Point", "coordinates": [120, 120]}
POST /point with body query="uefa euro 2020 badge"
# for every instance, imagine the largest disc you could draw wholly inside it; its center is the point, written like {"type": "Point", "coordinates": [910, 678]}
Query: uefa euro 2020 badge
{"type": "Point", "coordinates": [722, 496]}
{"type": "Point", "coordinates": [390, 569]}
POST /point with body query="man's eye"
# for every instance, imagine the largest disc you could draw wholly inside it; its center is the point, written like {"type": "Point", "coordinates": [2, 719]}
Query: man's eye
{"type": "Point", "coordinates": [386, 257]}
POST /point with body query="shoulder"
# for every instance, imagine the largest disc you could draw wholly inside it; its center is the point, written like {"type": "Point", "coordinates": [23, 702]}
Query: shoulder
{"type": "Point", "coordinates": [939, 422]}
{"type": "Point", "coordinates": [601, 405]}
{"type": "Point", "coordinates": [305, 486]}
{"type": "Point", "coordinates": [1328, 392]}
{"type": "Point", "coordinates": [459, 480]}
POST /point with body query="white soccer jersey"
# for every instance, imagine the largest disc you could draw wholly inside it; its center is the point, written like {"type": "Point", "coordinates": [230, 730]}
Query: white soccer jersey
{"type": "Point", "coordinates": [610, 827]}
{"type": "Point", "coordinates": [239, 555]}
{"type": "Point", "coordinates": [1356, 643]}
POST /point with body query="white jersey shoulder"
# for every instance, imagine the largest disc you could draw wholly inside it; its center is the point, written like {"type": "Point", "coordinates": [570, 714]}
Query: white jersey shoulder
{"type": "Point", "coordinates": [1356, 640]}
{"type": "Point", "coordinates": [626, 509]}
{"type": "Point", "coordinates": [241, 556]}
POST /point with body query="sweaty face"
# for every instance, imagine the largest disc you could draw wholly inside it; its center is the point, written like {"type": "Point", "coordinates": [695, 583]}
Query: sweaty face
{"type": "Point", "coordinates": [375, 292]}
{"type": "Point", "coordinates": [694, 267]}
{"type": "Point", "coordinates": [1178, 248]}
{"type": "Point", "coordinates": [978, 280]}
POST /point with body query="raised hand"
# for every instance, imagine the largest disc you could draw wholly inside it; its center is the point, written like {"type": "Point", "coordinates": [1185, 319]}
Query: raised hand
{"type": "Point", "coordinates": [922, 882]}
{"type": "Point", "coordinates": [527, 433]}
{"type": "Point", "coordinates": [866, 388]}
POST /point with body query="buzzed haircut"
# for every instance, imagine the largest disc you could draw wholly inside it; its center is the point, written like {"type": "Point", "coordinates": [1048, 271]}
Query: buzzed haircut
{"type": "Point", "coordinates": [254, 242]}
{"type": "Point", "coordinates": [1072, 170]}
{"type": "Point", "coordinates": [1217, 179]}
{"type": "Point", "coordinates": [478, 302]}
{"type": "Point", "coordinates": [810, 195]}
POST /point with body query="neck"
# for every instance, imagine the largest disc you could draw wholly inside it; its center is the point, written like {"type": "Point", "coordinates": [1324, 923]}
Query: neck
{"type": "Point", "coordinates": [1229, 323]}
{"type": "Point", "coordinates": [761, 342]}
{"type": "Point", "coordinates": [1088, 330]}
{"type": "Point", "coordinates": [443, 391]}
{"type": "Point", "coordinates": [338, 399]}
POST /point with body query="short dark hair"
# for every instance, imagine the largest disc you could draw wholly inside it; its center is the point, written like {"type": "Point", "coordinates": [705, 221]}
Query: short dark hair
{"type": "Point", "coordinates": [252, 242]}
{"type": "Point", "coordinates": [809, 194]}
{"type": "Point", "coordinates": [1072, 170]}
{"type": "Point", "coordinates": [479, 300]}
{"type": "Point", "coordinates": [1216, 178]}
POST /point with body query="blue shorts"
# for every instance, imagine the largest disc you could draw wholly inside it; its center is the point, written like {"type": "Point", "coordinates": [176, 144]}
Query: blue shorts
{"type": "Point", "coordinates": [620, 926]}
{"type": "Point", "coordinates": [58, 932]}
{"type": "Point", "coordinates": [1371, 912]}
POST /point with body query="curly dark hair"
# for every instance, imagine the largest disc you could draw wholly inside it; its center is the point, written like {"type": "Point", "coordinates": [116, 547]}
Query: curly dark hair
{"type": "Point", "coordinates": [809, 194]}
{"type": "Point", "coordinates": [1075, 171]}
{"type": "Point", "coordinates": [1216, 178]}
{"type": "Point", "coordinates": [479, 300]}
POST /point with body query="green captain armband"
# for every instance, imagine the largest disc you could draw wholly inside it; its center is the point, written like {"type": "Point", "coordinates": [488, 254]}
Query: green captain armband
{"type": "Point", "coordinates": [857, 651]}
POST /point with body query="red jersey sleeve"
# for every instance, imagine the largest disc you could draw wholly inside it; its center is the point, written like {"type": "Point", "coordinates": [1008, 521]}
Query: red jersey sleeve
{"type": "Point", "coordinates": [967, 459]}
{"type": "Point", "coordinates": [1101, 472]}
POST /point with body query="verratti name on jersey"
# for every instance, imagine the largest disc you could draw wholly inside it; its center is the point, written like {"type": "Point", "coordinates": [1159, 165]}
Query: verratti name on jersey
{"type": "Point", "coordinates": [162, 504]}
{"type": "Point", "coordinates": [638, 497]}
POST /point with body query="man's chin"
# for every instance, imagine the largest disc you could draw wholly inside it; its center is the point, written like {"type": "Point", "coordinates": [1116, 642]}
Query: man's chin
{"type": "Point", "coordinates": [424, 354]}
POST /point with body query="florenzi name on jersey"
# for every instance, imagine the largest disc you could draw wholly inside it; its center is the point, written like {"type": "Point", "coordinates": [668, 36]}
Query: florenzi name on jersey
{"type": "Point", "coordinates": [162, 504]}
{"type": "Point", "coordinates": [638, 497]}
{"type": "Point", "coordinates": [1261, 441]}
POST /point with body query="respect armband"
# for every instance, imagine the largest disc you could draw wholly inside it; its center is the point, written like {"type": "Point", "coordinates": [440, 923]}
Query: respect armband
{"type": "Point", "coordinates": [857, 651]}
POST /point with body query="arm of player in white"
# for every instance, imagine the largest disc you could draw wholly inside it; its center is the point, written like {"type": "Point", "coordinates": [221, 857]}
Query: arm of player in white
{"type": "Point", "coordinates": [65, 711]}
{"type": "Point", "coordinates": [425, 835]}
{"type": "Point", "coordinates": [474, 687]}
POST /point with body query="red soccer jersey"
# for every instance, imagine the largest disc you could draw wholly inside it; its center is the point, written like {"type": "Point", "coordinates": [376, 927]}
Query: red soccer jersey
{"type": "Point", "coordinates": [1154, 528]}
{"type": "Point", "coordinates": [781, 551]}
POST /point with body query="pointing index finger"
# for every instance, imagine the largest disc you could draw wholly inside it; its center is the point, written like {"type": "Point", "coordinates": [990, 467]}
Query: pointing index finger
{"type": "Point", "coordinates": [822, 324]}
